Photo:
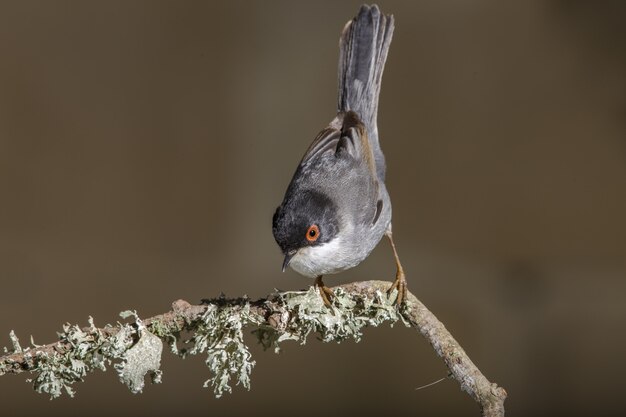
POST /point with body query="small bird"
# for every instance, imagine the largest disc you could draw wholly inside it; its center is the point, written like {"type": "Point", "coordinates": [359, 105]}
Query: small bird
{"type": "Point", "coordinates": [336, 208]}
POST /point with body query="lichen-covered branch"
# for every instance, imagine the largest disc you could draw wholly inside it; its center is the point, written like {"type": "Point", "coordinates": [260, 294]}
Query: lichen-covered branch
{"type": "Point", "coordinates": [216, 328]}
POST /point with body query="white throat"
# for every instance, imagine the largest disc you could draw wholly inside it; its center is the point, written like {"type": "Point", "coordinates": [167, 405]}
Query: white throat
{"type": "Point", "coordinates": [328, 258]}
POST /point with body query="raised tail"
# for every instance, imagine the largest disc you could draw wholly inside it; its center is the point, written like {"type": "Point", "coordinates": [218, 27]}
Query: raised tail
{"type": "Point", "coordinates": [363, 51]}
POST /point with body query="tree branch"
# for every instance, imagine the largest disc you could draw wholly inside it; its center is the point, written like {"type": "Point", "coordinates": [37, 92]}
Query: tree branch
{"type": "Point", "coordinates": [216, 326]}
{"type": "Point", "coordinates": [488, 395]}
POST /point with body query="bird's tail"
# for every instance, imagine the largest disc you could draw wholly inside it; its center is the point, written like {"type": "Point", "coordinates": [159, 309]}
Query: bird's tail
{"type": "Point", "coordinates": [363, 51]}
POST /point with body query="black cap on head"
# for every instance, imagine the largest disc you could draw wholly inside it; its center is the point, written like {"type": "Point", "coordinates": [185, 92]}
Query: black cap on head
{"type": "Point", "coordinates": [305, 218]}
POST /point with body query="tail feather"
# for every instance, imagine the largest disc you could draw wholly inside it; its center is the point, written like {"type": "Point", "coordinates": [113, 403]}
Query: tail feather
{"type": "Point", "coordinates": [363, 51]}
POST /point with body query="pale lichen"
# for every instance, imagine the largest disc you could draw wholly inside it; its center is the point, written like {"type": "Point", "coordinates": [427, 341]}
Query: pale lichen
{"type": "Point", "coordinates": [219, 333]}
{"type": "Point", "coordinates": [345, 320]}
{"type": "Point", "coordinates": [15, 342]}
{"type": "Point", "coordinates": [90, 348]}
{"type": "Point", "coordinates": [86, 350]}
{"type": "Point", "coordinates": [144, 357]}
{"type": "Point", "coordinates": [135, 349]}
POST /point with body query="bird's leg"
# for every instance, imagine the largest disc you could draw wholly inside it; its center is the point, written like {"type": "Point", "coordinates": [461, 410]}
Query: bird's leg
{"type": "Point", "coordinates": [325, 292]}
{"type": "Point", "coordinates": [400, 282]}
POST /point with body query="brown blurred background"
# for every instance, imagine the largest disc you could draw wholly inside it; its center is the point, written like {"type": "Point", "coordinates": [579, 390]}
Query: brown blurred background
{"type": "Point", "coordinates": [145, 145]}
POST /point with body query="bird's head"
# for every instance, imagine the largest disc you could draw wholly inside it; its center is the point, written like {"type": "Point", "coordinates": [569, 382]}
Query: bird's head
{"type": "Point", "coordinates": [306, 227]}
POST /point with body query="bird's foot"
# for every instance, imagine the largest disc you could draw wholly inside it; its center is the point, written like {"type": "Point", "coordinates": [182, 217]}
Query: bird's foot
{"type": "Point", "coordinates": [325, 292]}
{"type": "Point", "coordinates": [400, 285]}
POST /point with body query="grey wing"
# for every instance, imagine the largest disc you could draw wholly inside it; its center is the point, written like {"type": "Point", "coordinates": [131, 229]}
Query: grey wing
{"type": "Point", "coordinates": [341, 155]}
{"type": "Point", "coordinates": [346, 133]}
{"type": "Point", "coordinates": [325, 142]}
{"type": "Point", "coordinates": [355, 141]}
{"type": "Point", "coordinates": [355, 144]}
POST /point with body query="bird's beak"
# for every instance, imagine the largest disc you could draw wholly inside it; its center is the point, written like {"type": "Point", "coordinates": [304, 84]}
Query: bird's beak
{"type": "Point", "coordinates": [288, 257]}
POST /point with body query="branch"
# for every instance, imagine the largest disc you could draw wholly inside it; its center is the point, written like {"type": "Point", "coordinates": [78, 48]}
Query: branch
{"type": "Point", "coordinates": [216, 326]}
{"type": "Point", "coordinates": [488, 395]}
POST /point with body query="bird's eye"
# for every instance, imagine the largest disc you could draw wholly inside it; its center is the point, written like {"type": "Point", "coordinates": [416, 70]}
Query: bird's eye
{"type": "Point", "coordinates": [312, 233]}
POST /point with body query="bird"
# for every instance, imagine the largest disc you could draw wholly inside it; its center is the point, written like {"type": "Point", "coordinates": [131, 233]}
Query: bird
{"type": "Point", "coordinates": [336, 208]}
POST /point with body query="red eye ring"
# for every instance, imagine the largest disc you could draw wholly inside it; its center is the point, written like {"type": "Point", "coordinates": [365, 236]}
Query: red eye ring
{"type": "Point", "coordinates": [313, 233]}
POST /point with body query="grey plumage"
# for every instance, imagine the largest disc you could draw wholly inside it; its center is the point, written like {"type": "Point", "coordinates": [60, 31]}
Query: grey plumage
{"type": "Point", "coordinates": [339, 186]}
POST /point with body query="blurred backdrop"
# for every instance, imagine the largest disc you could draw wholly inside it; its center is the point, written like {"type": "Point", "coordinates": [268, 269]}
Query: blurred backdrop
{"type": "Point", "coordinates": [145, 145]}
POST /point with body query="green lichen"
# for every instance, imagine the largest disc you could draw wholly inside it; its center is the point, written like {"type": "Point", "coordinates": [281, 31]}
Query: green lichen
{"type": "Point", "coordinates": [159, 329]}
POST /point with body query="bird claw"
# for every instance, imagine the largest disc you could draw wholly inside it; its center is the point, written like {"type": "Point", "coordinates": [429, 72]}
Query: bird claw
{"type": "Point", "coordinates": [400, 285]}
{"type": "Point", "coordinates": [325, 292]}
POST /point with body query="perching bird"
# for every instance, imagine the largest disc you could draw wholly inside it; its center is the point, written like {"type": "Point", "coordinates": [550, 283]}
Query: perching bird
{"type": "Point", "coordinates": [336, 208]}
